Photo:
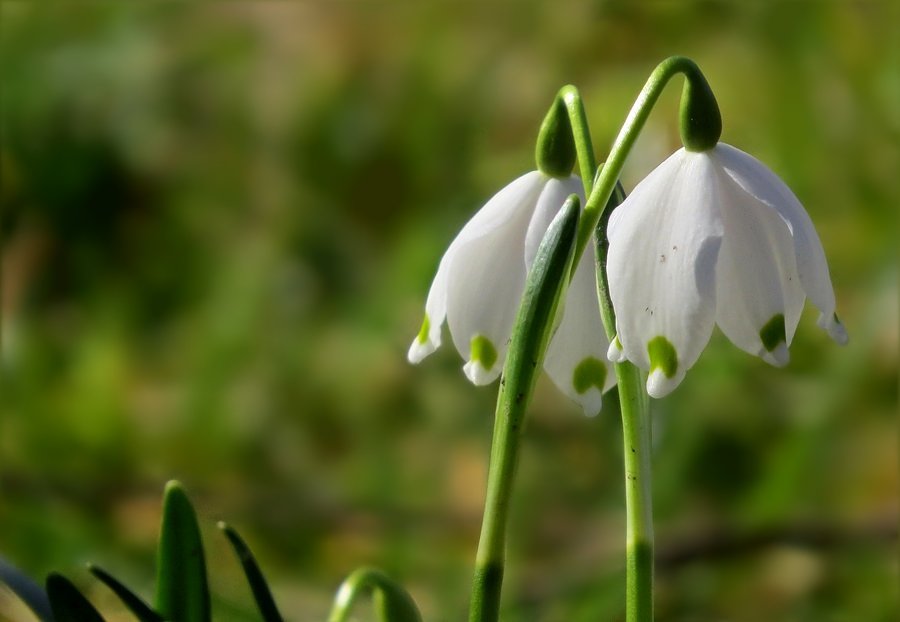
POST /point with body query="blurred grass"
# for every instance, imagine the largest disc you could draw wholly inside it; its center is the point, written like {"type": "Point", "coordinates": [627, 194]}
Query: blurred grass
{"type": "Point", "coordinates": [219, 224]}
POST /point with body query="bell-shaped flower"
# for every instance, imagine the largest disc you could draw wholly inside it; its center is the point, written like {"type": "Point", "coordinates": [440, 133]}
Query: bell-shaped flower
{"type": "Point", "coordinates": [712, 237]}
{"type": "Point", "coordinates": [480, 282]}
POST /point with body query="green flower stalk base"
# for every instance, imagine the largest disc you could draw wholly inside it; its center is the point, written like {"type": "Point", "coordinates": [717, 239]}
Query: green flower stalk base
{"type": "Point", "coordinates": [636, 436]}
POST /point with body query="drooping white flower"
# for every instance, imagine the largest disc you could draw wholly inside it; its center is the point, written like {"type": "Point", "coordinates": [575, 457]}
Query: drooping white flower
{"type": "Point", "coordinates": [712, 237]}
{"type": "Point", "coordinates": [480, 282]}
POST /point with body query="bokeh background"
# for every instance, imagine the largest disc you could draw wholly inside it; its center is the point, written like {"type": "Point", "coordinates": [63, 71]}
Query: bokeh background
{"type": "Point", "coordinates": [219, 225]}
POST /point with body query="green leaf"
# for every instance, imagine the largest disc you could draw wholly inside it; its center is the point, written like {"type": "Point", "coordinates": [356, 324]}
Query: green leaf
{"type": "Point", "coordinates": [135, 603]}
{"type": "Point", "coordinates": [255, 577]}
{"type": "Point", "coordinates": [27, 589]}
{"type": "Point", "coordinates": [544, 287]}
{"type": "Point", "coordinates": [182, 593]}
{"type": "Point", "coordinates": [67, 602]}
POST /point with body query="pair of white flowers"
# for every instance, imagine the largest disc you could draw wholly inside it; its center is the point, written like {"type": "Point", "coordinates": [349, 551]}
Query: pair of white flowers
{"type": "Point", "coordinates": [709, 237]}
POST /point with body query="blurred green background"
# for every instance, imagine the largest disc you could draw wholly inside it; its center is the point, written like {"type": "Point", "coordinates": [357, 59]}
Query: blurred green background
{"type": "Point", "coordinates": [219, 225]}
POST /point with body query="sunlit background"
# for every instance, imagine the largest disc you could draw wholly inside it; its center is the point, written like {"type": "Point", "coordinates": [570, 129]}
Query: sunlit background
{"type": "Point", "coordinates": [219, 225]}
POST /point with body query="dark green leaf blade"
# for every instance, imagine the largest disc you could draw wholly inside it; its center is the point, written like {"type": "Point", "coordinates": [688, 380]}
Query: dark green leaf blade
{"type": "Point", "coordinates": [255, 578]}
{"type": "Point", "coordinates": [67, 602]}
{"type": "Point", "coordinates": [27, 589]}
{"type": "Point", "coordinates": [182, 593]}
{"type": "Point", "coordinates": [135, 603]}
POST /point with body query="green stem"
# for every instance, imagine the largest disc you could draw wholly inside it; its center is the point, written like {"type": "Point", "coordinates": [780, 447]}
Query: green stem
{"type": "Point", "coordinates": [636, 438]}
{"type": "Point", "coordinates": [587, 164]}
{"type": "Point", "coordinates": [697, 104]}
{"type": "Point", "coordinates": [530, 335]}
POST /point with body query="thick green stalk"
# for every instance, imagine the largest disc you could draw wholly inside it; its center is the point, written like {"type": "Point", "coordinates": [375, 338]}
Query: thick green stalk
{"type": "Point", "coordinates": [545, 285]}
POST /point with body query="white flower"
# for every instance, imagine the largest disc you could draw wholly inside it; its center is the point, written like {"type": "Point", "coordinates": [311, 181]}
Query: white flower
{"type": "Point", "coordinates": [480, 282]}
{"type": "Point", "coordinates": [707, 238]}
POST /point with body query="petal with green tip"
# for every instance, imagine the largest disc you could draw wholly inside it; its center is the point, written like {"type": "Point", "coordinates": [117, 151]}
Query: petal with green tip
{"type": "Point", "coordinates": [664, 245]}
{"type": "Point", "coordinates": [754, 178]}
{"type": "Point", "coordinates": [756, 278]}
{"type": "Point", "coordinates": [576, 355]}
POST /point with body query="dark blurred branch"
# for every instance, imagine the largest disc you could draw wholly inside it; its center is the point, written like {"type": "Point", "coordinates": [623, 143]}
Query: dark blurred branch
{"type": "Point", "coordinates": [813, 535]}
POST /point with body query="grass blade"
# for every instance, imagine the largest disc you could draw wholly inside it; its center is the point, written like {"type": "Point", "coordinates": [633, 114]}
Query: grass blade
{"type": "Point", "coordinates": [255, 577]}
{"type": "Point", "coordinates": [135, 603]}
{"type": "Point", "coordinates": [67, 602]}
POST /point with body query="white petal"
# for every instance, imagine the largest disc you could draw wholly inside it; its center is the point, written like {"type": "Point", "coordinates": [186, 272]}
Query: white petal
{"type": "Point", "coordinates": [660, 385]}
{"type": "Point", "coordinates": [478, 375]}
{"type": "Point", "coordinates": [664, 243]}
{"type": "Point", "coordinates": [754, 177]}
{"type": "Point", "coordinates": [522, 192]}
{"type": "Point", "coordinates": [576, 355]}
{"type": "Point", "coordinates": [758, 293]}
{"type": "Point", "coordinates": [615, 353]}
{"type": "Point", "coordinates": [420, 348]}
{"type": "Point", "coordinates": [429, 338]}
{"type": "Point", "coordinates": [548, 205]}
{"type": "Point", "coordinates": [779, 356]}
{"type": "Point", "coordinates": [485, 275]}
{"type": "Point", "coordinates": [834, 327]}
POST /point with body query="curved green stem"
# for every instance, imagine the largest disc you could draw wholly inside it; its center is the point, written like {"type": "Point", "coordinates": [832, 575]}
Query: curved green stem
{"type": "Point", "coordinates": [633, 125]}
{"type": "Point", "coordinates": [587, 163]}
{"type": "Point", "coordinates": [392, 602]}
{"type": "Point", "coordinates": [544, 288]}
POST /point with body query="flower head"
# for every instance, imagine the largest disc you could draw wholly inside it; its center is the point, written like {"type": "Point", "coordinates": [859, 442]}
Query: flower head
{"type": "Point", "coordinates": [480, 282]}
{"type": "Point", "coordinates": [712, 237]}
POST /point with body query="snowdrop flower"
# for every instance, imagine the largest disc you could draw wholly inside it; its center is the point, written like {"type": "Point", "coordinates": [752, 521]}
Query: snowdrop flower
{"type": "Point", "coordinates": [480, 282]}
{"type": "Point", "coordinates": [712, 237]}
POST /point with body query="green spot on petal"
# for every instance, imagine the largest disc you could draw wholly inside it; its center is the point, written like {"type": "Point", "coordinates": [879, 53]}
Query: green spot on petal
{"type": "Point", "coordinates": [662, 356]}
{"type": "Point", "coordinates": [590, 372]}
{"type": "Point", "coordinates": [423, 332]}
{"type": "Point", "coordinates": [483, 351]}
{"type": "Point", "coordinates": [617, 343]}
{"type": "Point", "coordinates": [773, 332]}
